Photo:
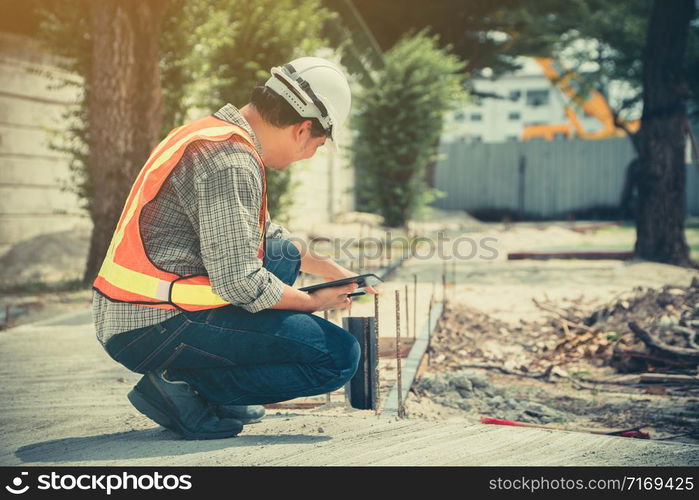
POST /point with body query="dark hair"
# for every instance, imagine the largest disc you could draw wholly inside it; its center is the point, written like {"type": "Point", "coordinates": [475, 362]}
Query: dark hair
{"type": "Point", "coordinates": [275, 110]}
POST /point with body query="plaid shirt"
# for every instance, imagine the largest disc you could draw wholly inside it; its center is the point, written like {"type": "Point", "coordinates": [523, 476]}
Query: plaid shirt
{"type": "Point", "coordinates": [204, 221]}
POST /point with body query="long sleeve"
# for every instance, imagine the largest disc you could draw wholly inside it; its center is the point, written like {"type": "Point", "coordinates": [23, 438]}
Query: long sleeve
{"type": "Point", "coordinates": [229, 201]}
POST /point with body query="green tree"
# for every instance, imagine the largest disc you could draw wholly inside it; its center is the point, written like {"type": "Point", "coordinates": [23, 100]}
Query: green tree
{"type": "Point", "coordinates": [124, 109]}
{"type": "Point", "coordinates": [230, 48]}
{"type": "Point", "coordinates": [651, 50]}
{"type": "Point", "coordinates": [207, 53]}
{"type": "Point", "coordinates": [117, 119]}
{"type": "Point", "coordinates": [610, 40]}
{"type": "Point", "coordinates": [662, 175]}
{"type": "Point", "coordinates": [398, 123]}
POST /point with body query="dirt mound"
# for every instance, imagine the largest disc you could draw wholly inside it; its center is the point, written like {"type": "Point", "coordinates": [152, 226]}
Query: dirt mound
{"type": "Point", "coordinates": [47, 258]}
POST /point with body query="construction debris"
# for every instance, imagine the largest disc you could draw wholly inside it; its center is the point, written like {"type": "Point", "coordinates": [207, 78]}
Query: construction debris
{"type": "Point", "coordinates": [649, 330]}
{"type": "Point", "coordinates": [640, 345]}
{"type": "Point", "coordinates": [46, 259]}
{"type": "Point", "coordinates": [469, 391]}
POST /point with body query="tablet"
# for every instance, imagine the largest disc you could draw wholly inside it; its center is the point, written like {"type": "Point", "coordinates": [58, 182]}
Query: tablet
{"type": "Point", "coordinates": [362, 280]}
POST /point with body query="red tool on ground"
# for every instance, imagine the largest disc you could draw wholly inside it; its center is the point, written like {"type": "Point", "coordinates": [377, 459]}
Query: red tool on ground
{"type": "Point", "coordinates": [635, 432]}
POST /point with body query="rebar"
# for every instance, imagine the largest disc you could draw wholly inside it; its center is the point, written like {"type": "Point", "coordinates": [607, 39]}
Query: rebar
{"type": "Point", "coordinates": [444, 288]}
{"type": "Point", "coordinates": [326, 316]}
{"type": "Point", "coordinates": [429, 331]}
{"type": "Point", "coordinates": [399, 382]}
{"type": "Point", "coordinates": [407, 314]}
{"type": "Point", "coordinates": [414, 305]}
{"type": "Point", "coordinates": [377, 386]}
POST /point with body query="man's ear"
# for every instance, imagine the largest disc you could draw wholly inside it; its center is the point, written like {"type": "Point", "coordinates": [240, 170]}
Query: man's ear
{"type": "Point", "coordinates": [302, 129]}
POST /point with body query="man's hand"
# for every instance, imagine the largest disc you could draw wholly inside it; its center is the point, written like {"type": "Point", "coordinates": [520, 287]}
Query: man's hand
{"type": "Point", "coordinates": [333, 297]}
{"type": "Point", "coordinates": [346, 273]}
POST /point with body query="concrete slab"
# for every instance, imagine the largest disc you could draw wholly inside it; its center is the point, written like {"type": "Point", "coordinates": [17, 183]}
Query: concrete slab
{"type": "Point", "coordinates": [64, 403]}
{"type": "Point", "coordinates": [81, 317]}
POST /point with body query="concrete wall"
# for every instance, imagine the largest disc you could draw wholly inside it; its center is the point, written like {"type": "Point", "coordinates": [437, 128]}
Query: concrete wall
{"type": "Point", "coordinates": [31, 174]}
{"type": "Point", "coordinates": [557, 177]}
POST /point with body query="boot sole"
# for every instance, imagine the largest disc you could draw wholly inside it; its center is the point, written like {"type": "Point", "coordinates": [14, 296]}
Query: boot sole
{"type": "Point", "coordinates": [153, 412]}
{"type": "Point", "coordinates": [244, 421]}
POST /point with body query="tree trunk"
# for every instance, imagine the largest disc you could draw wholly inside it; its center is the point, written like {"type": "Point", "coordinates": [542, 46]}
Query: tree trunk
{"type": "Point", "coordinates": [661, 181]}
{"type": "Point", "coordinates": [628, 202]}
{"type": "Point", "coordinates": [125, 109]}
{"type": "Point", "coordinates": [629, 193]}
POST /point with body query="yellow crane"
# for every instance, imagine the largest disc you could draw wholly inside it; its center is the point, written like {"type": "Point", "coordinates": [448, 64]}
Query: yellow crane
{"type": "Point", "coordinates": [592, 103]}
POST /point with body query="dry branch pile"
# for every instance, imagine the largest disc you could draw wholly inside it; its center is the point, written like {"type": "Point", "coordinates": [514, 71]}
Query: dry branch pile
{"type": "Point", "coordinates": [647, 330]}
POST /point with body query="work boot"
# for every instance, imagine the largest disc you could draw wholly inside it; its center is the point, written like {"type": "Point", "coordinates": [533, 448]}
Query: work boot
{"type": "Point", "coordinates": [247, 414]}
{"type": "Point", "coordinates": [176, 406]}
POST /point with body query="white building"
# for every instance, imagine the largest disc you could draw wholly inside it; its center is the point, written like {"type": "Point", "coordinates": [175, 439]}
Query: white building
{"type": "Point", "coordinates": [521, 98]}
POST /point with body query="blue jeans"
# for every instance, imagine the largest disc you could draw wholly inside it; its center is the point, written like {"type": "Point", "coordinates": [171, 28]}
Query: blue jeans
{"type": "Point", "coordinates": [232, 356]}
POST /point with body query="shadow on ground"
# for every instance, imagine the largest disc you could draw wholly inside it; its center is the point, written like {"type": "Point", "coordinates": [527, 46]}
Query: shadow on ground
{"type": "Point", "coordinates": [156, 442]}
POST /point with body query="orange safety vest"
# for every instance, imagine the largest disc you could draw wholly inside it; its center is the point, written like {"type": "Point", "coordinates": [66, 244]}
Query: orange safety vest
{"type": "Point", "coordinates": [127, 273]}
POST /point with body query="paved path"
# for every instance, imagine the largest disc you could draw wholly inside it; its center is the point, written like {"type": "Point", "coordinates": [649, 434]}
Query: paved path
{"type": "Point", "coordinates": [64, 402]}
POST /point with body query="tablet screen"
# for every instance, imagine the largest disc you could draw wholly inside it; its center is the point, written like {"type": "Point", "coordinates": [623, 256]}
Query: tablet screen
{"type": "Point", "coordinates": [362, 280]}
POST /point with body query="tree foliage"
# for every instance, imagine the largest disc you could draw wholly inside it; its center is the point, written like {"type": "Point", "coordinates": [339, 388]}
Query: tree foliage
{"type": "Point", "coordinates": [234, 43]}
{"type": "Point", "coordinates": [398, 122]}
{"type": "Point", "coordinates": [212, 52]}
{"type": "Point", "coordinates": [230, 48]}
{"type": "Point", "coordinates": [605, 38]}
{"type": "Point", "coordinates": [466, 26]}
{"type": "Point", "coordinates": [604, 42]}
{"type": "Point", "coordinates": [600, 41]}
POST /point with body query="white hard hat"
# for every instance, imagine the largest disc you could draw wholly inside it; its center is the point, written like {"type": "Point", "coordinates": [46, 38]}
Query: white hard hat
{"type": "Point", "coordinates": [316, 88]}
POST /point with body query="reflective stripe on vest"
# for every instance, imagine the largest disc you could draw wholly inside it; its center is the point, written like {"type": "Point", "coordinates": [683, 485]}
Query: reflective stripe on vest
{"type": "Point", "coordinates": [127, 273]}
